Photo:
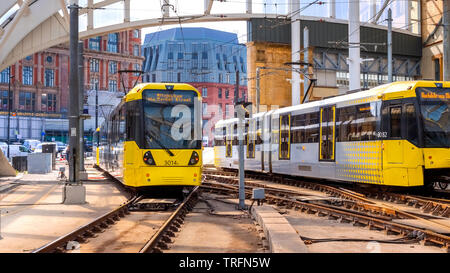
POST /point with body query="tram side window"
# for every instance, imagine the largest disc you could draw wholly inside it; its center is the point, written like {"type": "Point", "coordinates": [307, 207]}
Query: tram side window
{"type": "Point", "coordinates": [298, 129]}
{"type": "Point", "coordinates": [122, 134]}
{"type": "Point", "coordinates": [133, 121]}
{"type": "Point", "coordinates": [411, 123]}
{"type": "Point", "coordinates": [312, 127]}
{"type": "Point", "coordinates": [275, 130]}
{"type": "Point", "coordinates": [366, 123]}
{"type": "Point", "coordinates": [348, 127]}
{"type": "Point", "coordinates": [235, 135]}
{"type": "Point", "coordinates": [396, 117]}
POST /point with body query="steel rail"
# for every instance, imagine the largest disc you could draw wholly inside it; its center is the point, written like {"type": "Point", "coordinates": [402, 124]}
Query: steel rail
{"type": "Point", "coordinates": [346, 216]}
{"type": "Point", "coordinates": [434, 206]}
{"type": "Point", "coordinates": [372, 208]}
{"type": "Point", "coordinates": [88, 230]}
{"type": "Point", "coordinates": [160, 239]}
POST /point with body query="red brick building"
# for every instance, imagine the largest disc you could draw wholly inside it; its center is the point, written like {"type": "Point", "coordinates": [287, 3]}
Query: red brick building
{"type": "Point", "coordinates": [40, 87]}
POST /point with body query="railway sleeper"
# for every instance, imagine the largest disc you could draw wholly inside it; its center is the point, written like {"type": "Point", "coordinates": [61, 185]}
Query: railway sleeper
{"type": "Point", "coordinates": [437, 210]}
{"type": "Point", "coordinates": [162, 245]}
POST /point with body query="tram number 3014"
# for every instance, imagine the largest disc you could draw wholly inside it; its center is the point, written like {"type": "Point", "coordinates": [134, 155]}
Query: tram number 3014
{"type": "Point", "coordinates": [170, 162]}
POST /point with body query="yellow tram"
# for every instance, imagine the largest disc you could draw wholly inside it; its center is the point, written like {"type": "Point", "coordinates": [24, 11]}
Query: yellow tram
{"type": "Point", "coordinates": [152, 140]}
{"type": "Point", "coordinates": [397, 134]}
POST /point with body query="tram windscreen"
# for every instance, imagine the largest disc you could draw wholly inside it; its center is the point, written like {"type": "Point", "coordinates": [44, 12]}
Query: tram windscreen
{"type": "Point", "coordinates": [169, 120]}
{"type": "Point", "coordinates": [435, 107]}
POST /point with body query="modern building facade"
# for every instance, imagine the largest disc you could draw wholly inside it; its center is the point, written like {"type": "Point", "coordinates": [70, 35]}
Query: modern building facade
{"type": "Point", "coordinates": [39, 84]}
{"type": "Point", "coordinates": [208, 59]}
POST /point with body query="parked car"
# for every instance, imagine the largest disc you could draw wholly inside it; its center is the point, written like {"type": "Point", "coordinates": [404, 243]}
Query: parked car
{"type": "Point", "coordinates": [31, 143]}
{"type": "Point", "coordinates": [61, 146]}
{"type": "Point", "coordinates": [4, 147]}
{"type": "Point", "coordinates": [17, 150]}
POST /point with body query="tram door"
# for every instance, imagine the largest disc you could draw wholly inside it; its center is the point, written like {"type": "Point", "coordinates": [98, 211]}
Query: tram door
{"type": "Point", "coordinates": [228, 142]}
{"type": "Point", "coordinates": [327, 133]}
{"type": "Point", "coordinates": [285, 136]}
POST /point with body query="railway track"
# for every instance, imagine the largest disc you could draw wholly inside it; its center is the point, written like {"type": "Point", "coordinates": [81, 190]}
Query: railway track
{"type": "Point", "coordinates": [81, 234]}
{"type": "Point", "coordinates": [157, 243]}
{"type": "Point", "coordinates": [430, 205]}
{"type": "Point", "coordinates": [346, 206]}
{"type": "Point", "coordinates": [160, 240]}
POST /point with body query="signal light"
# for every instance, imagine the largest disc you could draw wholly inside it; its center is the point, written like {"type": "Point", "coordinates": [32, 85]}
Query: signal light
{"type": "Point", "coordinates": [194, 158]}
{"type": "Point", "coordinates": [148, 158]}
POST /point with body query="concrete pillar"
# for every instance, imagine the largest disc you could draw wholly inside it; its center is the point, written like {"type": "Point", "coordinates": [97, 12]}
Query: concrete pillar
{"type": "Point", "coordinates": [295, 49]}
{"type": "Point", "coordinates": [354, 49]}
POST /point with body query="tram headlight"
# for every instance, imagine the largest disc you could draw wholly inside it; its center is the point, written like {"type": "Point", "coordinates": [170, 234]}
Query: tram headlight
{"type": "Point", "coordinates": [194, 158]}
{"type": "Point", "coordinates": [148, 158]}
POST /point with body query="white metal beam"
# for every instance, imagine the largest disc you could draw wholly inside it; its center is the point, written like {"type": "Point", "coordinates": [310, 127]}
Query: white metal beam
{"type": "Point", "coordinates": [6, 6]}
{"type": "Point", "coordinates": [208, 6]}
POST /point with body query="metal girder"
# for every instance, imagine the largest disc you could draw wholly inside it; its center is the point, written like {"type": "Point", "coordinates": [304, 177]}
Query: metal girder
{"type": "Point", "coordinates": [333, 61]}
{"type": "Point", "coordinates": [51, 31]}
{"type": "Point", "coordinates": [208, 6]}
{"type": "Point", "coordinates": [29, 25]}
{"type": "Point", "coordinates": [385, 4]}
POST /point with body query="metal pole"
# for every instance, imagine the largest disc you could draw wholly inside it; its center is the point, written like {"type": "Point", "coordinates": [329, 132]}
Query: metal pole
{"type": "Point", "coordinates": [258, 75]}
{"type": "Point", "coordinates": [237, 86]}
{"type": "Point", "coordinates": [305, 56]}
{"type": "Point", "coordinates": [73, 97]}
{"type": "Point", "coordinates": [389, 44]}
{"type": "Point", "coordinates": [295, 50]}
{"type": "Point", "coordinates": [241, 116]}
{"type": "Point", "coordinates": [81, 102]}
{"type": "Point", "coordinates": [354, 43]}
{"type": "Point", "coordinates": [446, 40]}
{"type": "Point", "coordinates": [96, 113]}
{"type": "Point", "coordinates": [9, 109]}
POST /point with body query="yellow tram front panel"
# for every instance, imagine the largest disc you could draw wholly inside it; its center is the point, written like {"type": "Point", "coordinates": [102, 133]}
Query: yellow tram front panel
{"type": "Point", "coordinates": [167, 171]}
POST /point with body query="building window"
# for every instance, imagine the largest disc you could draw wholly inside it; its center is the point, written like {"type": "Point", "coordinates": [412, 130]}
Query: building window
{"type": "Point", "coordinates": [112, 67]}
{"type": "Point", "coordinates": [219, 93]}
{"type": "Point", "coordinates": [94, 65]}
{"type": "Point", "coordinates": [204, 60]}
{"type": "Point", "coordinates": [4, 75]}
{"type": "Point", "coordinates": [27, 75]}
{"type": "Point", "coordinates": [137, 67]}
{"type": "Point", "coordinates": [205, 108]}
{"type": "Point", "coordinates": [194, 60]}
{"type": "Point", "coordinates": [204, 92]}
{"type": "Point", "coordinates": [178, 77]}
{"type": "Point", "coordinates": [227, 93]}
{"type": "Point", "coordinates": [136, 50]}
{"type": "Point", "coordinates": [4, 99]}
{"type": "Point", "coordinates": [94, 43]}
{"type": "Point", "coordinates": [113, 42]}
{"type": "Point", "coordinates": [437, 69]}
{"type": "Point", "coordinates": [49, 77]}
{"type": "Point", "coordinates": [153, 77]}
{"type": "Point", "coordinates": [112, 84]}
{"type": "Point", "coordinates": [94, 83]}
{"type": "Point", "coordinates": [136, 33]}
{"type": "Point", "coordinates": [220, 78]}
{"type": "Point", "coordinates": [48, 102]}
{"type": "Point", "coordinates": [49, 59]}
{"type": "Point", "coordinates": [26, 101]}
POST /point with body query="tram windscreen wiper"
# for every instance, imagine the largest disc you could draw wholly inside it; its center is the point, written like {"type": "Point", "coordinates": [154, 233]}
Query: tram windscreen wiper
{"type": "Point", "coordinates": [157, 142]}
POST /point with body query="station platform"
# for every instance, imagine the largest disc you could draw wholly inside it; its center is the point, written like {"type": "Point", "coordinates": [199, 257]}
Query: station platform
{"type": "Point", "coordinates": [32, 213]}
{"type": "Point", "coordinates": [282, 237]}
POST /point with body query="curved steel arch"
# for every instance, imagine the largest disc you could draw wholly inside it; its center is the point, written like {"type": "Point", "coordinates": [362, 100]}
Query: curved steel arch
{"type": "Point", "coordinates": [39, 24]}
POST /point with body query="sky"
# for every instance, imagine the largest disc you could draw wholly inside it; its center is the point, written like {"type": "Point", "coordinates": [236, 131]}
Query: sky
{"type": "Point", "coordinates": [148, 9]}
